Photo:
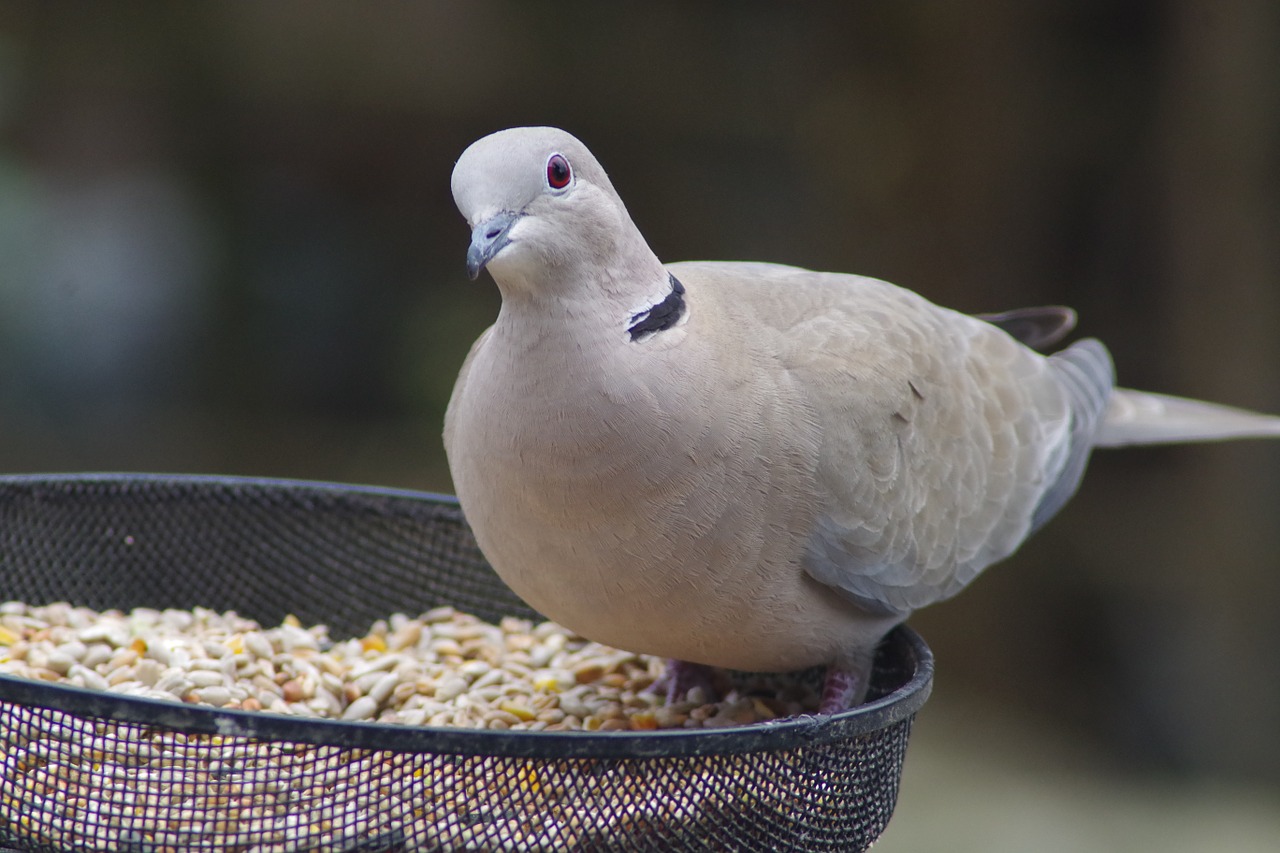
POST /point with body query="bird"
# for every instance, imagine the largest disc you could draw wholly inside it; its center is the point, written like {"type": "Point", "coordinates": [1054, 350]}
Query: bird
{"type": "Point", "coordinates": [748, 465]}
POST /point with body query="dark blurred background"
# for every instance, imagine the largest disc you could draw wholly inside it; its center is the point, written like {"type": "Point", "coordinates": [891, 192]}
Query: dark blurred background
{"type": "Point", "coordinates": [227, 245]}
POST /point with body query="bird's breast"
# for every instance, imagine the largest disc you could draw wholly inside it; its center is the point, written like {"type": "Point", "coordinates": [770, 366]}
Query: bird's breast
{"type": "Point", "coordinates": [612, 498]}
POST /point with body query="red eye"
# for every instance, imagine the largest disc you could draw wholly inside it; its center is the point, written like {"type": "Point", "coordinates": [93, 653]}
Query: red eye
{"type": "Point", "coordinates": [558, 173]}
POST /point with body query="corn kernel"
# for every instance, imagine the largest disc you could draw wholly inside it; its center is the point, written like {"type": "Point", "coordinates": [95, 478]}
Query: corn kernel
{"type": "Point", "coordinates": [644, 721]}
{"type": "Point", "coordinates": [7, 637]}
{"type": "Point", "coordinates": [517, 710]}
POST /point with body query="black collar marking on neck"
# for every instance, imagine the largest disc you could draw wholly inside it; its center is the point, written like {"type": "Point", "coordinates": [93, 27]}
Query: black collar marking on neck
{"type": "Point", "coordinates": [662, 316]}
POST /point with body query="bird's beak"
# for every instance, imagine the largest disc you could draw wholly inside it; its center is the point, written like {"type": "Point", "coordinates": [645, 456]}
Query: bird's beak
{"type": "Point", "coordinates": [487, 239]}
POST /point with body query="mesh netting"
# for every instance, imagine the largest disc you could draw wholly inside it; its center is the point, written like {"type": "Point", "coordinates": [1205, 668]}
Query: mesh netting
{"type": "Point", "coordinates": [85, 770]}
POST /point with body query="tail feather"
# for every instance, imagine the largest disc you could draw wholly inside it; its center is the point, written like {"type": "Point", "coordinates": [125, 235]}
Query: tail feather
{"type": "Point", "coordinates": [1140, 417]}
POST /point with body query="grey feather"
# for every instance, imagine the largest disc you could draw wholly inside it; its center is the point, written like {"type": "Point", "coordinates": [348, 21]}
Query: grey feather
{"type": "Point", "coordinates": [1141, 417]}
{"type": "Point", "coordinates": [1038, 328]}
{"type": "Point", "coordinates": [1088, 377]}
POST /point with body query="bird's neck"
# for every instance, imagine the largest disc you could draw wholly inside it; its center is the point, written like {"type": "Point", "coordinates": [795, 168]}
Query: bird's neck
{"type": "Point", "coordinates": [625, 296]}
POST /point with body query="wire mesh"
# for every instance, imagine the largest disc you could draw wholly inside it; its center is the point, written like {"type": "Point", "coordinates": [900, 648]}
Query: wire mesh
{"type": "Point", "coordinates": [86, 770]}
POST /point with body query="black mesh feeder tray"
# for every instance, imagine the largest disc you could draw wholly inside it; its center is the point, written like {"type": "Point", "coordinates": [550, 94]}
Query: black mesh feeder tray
{"type": "Point", "coordinates": [82, 769]}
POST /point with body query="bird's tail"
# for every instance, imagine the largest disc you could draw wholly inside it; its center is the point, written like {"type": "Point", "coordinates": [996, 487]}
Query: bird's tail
{"type": "Point", "coordinates": [1139, 417]}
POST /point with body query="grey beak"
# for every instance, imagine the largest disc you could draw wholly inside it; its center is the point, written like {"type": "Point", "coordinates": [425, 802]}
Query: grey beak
{"type": "Point", "coordinates": [487, 239]}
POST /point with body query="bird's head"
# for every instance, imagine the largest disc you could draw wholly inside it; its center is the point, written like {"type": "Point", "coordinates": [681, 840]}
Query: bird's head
{"type": "Point", "coordinates": [539, 206]}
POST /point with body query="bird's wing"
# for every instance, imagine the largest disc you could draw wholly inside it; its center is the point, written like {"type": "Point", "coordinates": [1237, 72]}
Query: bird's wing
{"type": "Point", "coordinates": [941, 435]}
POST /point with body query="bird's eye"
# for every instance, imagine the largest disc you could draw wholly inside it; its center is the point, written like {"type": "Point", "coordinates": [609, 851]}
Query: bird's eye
{"type": "Point", "coordinates": [558, 174]}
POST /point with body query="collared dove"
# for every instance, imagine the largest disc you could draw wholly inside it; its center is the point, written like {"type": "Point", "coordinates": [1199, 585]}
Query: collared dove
{"type": "Point", "coordinates": [749, 465]}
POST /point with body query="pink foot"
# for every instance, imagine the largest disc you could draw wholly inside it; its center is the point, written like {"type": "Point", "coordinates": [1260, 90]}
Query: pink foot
{"type": "Point", "coordinates": [842, 689]}
{"type": "Point", "coordinates": [681, 677]}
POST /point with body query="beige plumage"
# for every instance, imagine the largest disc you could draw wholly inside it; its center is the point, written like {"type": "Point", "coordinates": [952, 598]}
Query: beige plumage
{"type": "Point", "coordinates": [750, 465]}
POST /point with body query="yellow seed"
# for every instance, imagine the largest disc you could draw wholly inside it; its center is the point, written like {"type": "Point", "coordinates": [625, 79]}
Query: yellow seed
{"type": "Point", "coordinates": [644, 721]}
{"type": "Point", "coordinates": [547, 683]}
{"type": "Point", "coordinates": [517, 710]}
{"type": "Point", "coordinates": [374, 643]}
{"type": "Point", "coordinates": [7, 637]}
{"type": "Point", "coordinates": [139, 645]}
{"type": "Point", "coordinates": [236, 644]}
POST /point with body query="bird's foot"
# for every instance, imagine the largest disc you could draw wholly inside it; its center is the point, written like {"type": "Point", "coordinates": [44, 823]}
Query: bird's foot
{"type": "Point", "coordinates": [842, 689]}
{"type": "Point", "coordinates": [681, 677]}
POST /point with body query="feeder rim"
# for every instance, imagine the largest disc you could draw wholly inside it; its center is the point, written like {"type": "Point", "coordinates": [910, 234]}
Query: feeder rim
{"type": "Point", "coordinates": [788, 733]}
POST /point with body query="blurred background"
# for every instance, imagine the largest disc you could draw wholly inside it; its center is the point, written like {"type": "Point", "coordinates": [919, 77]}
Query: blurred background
{"type": "Point", "coordinates": [227, 245]}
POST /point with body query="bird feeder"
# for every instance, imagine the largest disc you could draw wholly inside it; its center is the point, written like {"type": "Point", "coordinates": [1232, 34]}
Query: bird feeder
{"type": "Point", "coordinates": [84, 769]}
